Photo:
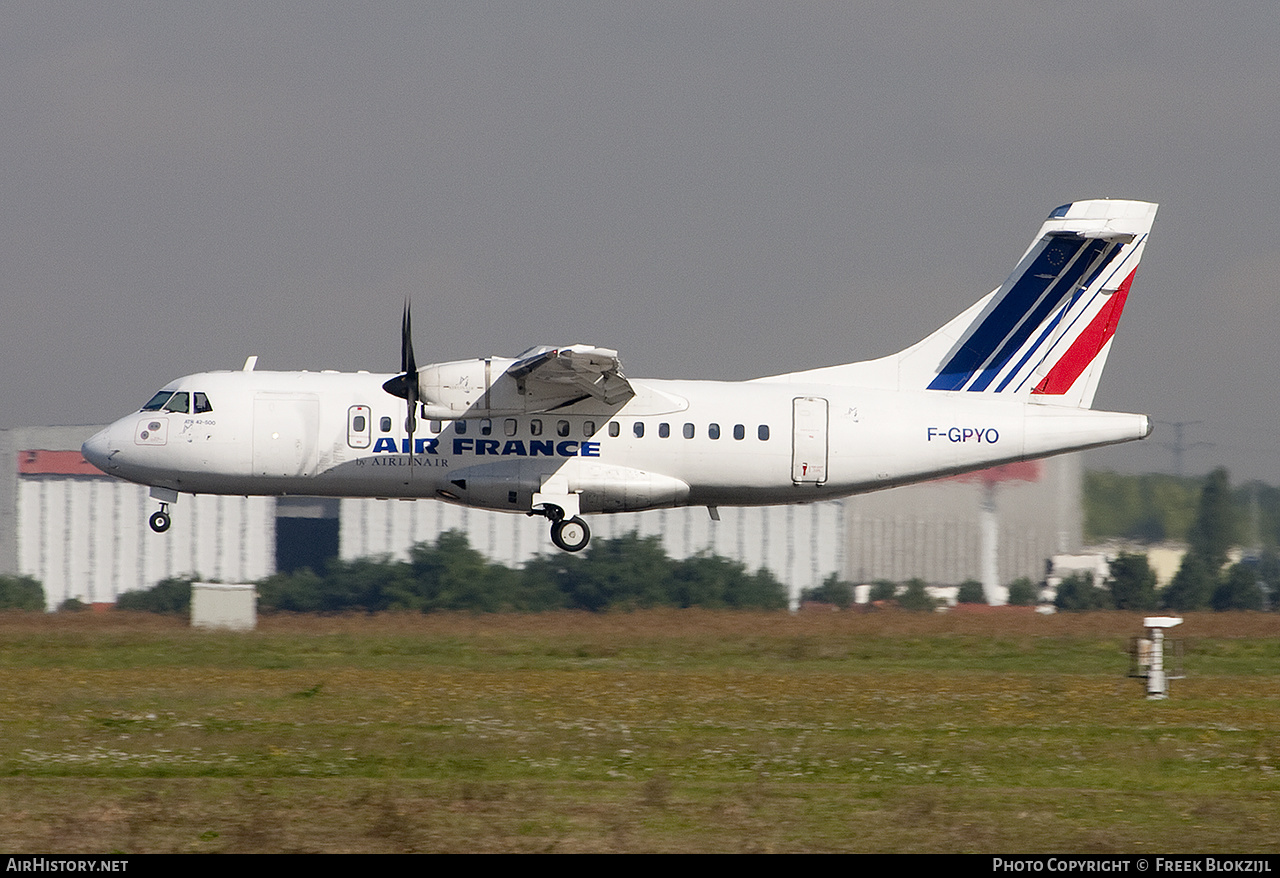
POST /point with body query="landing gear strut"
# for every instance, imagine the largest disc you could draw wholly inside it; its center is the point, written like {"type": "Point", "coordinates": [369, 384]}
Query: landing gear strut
{"type": "Point", "coordinates": [160, 521]}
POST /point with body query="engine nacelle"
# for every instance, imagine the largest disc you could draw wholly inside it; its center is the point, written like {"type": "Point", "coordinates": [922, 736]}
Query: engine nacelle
{"type": "Point", "coordinates": [449, 389]}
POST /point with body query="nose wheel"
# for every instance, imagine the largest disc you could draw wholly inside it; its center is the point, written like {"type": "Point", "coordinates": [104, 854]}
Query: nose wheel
{"type": "Point", "coordinates": [160, 521]}
{"type": "Point", "coordinates": [570, 534]}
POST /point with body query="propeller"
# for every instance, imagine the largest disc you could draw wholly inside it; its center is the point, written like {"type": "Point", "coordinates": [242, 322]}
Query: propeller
{"type": "Point", "coordinates": [405, 385]}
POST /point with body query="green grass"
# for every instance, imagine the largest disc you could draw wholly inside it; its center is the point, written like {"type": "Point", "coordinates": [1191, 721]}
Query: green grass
{"type": "Point", "coordinates": [647, 731]}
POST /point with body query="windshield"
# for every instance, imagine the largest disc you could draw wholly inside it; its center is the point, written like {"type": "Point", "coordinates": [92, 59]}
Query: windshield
{"type": "Point", "coordinates": [169, 401]}
{"type": "Point", "coordinates": [157, 402]}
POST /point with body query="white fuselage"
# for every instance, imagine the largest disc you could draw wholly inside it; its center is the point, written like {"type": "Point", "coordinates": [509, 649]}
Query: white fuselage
{"type": "Point", "coordinates": [561, 431]}
{"type": "Point", "coordinates": [674, 443]}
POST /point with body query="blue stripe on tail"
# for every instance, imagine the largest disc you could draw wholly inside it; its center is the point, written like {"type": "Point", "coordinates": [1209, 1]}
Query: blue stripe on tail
{"type": "Point", "coordinates": [1060, 290]}
{"type": "Point", "coordinates": [1006, 316]}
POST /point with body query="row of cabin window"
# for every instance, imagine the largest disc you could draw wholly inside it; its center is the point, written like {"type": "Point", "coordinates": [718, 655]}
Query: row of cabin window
{"type": "Point", "coordinates": [509, 426]}
{"type": "Point", "coordinates": [689, 431]}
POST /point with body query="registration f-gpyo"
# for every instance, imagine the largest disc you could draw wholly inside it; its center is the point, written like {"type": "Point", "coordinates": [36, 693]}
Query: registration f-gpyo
{"type": "Point", "coordinates": [981, 435]}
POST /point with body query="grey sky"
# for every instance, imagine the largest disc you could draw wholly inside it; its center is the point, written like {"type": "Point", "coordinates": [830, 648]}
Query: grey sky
{"type": "Point", "coordinates": [715, 189]}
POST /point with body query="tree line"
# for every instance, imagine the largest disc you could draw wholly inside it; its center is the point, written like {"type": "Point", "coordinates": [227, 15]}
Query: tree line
{"type": "Point", "coordinates": [21, 593]}
{"type": "Point", "coordinates": [914, 593]}
{"type": "Point", "coordinates": [1204, 579]}
{"type": "Point", "coordinates": [1153, 507]}
{"type": "Point", "coordinates": [1207, 513]}
{"type": "Point", "coordinates": [633, 571]}
{"type": "Point", "coordinates": [626, 572]}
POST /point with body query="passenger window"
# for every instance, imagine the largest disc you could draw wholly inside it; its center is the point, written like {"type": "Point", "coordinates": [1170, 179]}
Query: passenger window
{"type": "Point", "coordinates": [535, 427]}
{"type": "Point", "coordinates": [713, 431]}
{"type": "Point", "coordinates": [763, 432]}
{"type": "Point", "coordinates": [614, 428]}
{"type": "Point", "coordinates": [486, 427]}
{"type": "Point", "coordinates": [562, 428]}
{"type": "Point", "coordinates": [460, 427]}
{"type": "Point", "coordinates": [588, 428]}
{"type": "Point", "coordinates": [357, 424]}
{"type": "Point", "coordinates": [509, 427]}
{"type": "Point", "coordinates": [688, 431]}
{"type": "Point", "coordinates": [739, 431]}
{"type": "Point", "coordinates": [664, 430]}
{"type": "Point", "coordinates": [385, 425]}
{"type": "Point", "coordinates": [638, 429]}
{"type": "Point", "coordinates": [435, 426]}
{"type": "Point", "coordinates": [202, 404]}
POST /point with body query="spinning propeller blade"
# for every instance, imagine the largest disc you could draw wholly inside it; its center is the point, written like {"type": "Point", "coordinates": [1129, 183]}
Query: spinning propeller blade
{"type": "Point", "coordinates": [405, 385]}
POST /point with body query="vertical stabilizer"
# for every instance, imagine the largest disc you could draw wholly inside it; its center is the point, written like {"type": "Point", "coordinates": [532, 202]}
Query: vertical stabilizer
{"type": "Point", "coordinates": [1045, 333]}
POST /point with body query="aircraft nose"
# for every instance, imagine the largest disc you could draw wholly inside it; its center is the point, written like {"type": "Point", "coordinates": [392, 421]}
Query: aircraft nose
{"type": "Point", "coordinates": [97, 449]}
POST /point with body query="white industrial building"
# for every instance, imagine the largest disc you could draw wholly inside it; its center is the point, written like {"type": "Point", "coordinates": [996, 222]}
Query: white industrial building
{"type": "Point", "coordinates": [84, 535]}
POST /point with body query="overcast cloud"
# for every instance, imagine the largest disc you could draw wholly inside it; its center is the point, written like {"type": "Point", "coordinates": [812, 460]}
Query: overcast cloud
{"type": "Point", "coordinates": [717, 190]}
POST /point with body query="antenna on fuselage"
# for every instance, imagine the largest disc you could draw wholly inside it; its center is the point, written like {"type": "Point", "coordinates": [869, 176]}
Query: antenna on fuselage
{"type": "Point", "coordinates": [250, 363]}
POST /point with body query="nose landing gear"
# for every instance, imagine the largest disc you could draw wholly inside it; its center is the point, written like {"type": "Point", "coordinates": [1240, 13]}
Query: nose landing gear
{"type": "Point", "coordinates": [160, 521]}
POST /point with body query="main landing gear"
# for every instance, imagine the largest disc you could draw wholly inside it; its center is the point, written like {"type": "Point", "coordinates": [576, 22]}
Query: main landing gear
{"type": "Point", "coordinates": [572, 534]}
{"type": "Point", "coordinates": [569, 534]}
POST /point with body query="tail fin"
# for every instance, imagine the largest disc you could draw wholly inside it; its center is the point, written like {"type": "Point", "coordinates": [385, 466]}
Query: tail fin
{"type": "Point", "coordinates": [1047, 331]}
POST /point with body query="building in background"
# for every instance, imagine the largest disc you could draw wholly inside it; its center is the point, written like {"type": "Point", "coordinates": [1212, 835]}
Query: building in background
{"type": "Point", "coordinates": [85, 535]}
{"type": "Point", "coordinates": [934, 531]}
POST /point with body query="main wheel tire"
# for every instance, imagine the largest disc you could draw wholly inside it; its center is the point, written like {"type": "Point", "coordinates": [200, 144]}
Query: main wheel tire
{"type": "Point", "coordinates": [571, 535]}
{"type": "Point", "coordinates": [160, 522]}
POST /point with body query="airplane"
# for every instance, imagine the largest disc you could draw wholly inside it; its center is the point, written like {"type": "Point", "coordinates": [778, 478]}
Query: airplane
{"type": "Point", "coordinates": [561, 432]}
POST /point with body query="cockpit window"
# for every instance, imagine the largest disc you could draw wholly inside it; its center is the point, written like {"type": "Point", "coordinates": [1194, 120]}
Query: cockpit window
{"type": "Point", "coordinates": [167, 400]}
{"type": "Point", "coordinates": [202, 403]}
{"type": "Point", "coordinates": [157, 402]}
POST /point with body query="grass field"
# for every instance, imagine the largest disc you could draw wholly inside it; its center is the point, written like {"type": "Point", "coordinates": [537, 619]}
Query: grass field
{"type": "Point", "coordinates": [644, 731]}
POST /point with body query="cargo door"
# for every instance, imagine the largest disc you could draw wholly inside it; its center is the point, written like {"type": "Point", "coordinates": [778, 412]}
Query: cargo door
{"type": "Point", "coordinates": [286, 432]}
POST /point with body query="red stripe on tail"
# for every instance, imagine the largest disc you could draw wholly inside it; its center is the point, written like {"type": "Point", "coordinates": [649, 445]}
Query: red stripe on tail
{"type": "Point", "coordinates": [1089, 344]}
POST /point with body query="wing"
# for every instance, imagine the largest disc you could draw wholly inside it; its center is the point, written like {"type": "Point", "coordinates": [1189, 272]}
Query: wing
{"type": "Point", "coordinates": [555, 373]}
